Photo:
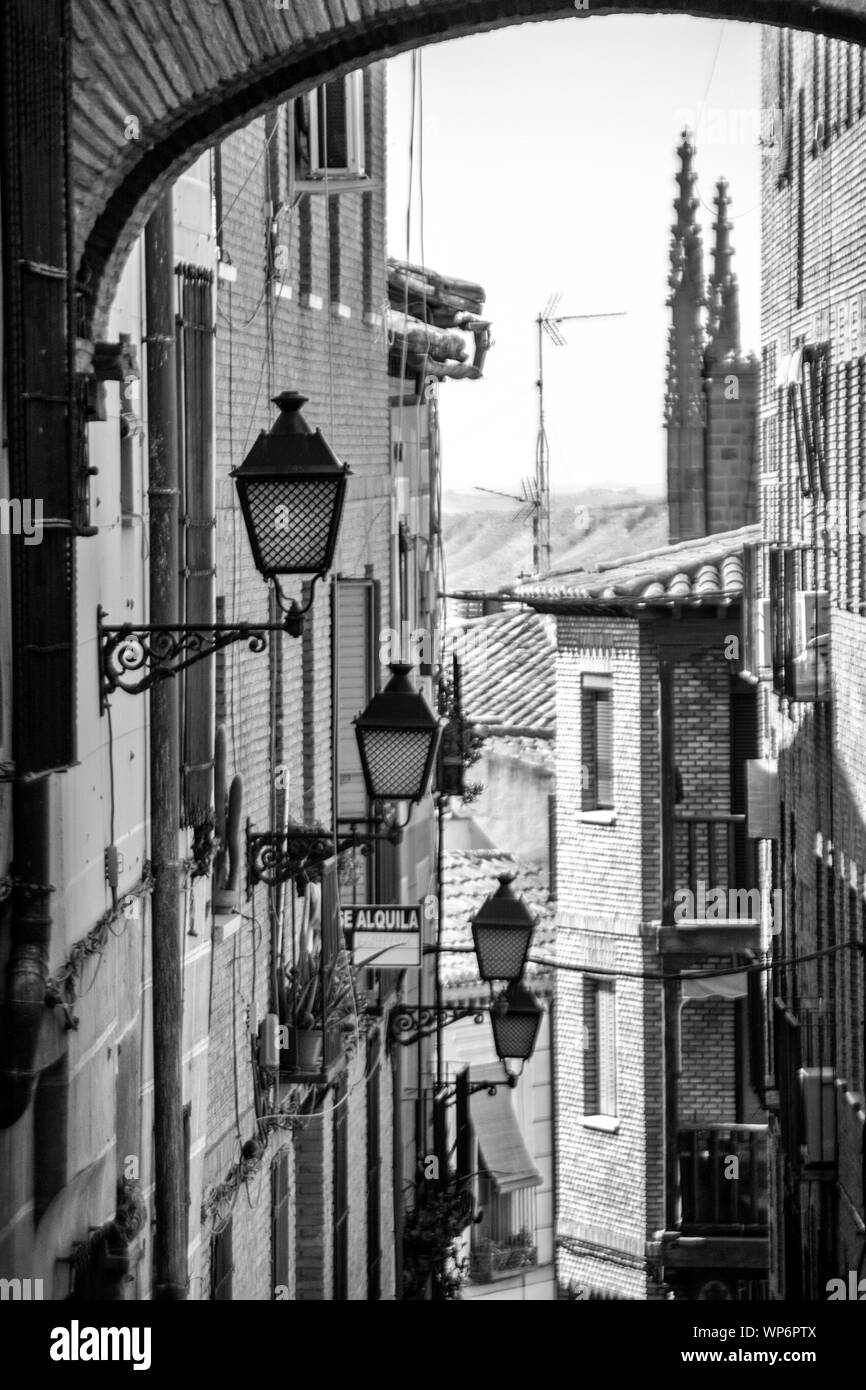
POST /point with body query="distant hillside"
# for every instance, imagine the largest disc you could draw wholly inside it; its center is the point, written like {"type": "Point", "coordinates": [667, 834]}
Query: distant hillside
{"type": "Point", "coordinates": [485, 548]}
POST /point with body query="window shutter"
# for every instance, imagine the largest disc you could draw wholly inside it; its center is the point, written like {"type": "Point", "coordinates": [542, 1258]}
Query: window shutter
{"type": "Point", "coordinates": [281, 1222]}
{"type": "Point", "coordinates": [604, 747]}
{"type": "Point", "coordinates": [195, 393]}
{"type": "Point", "coordinates": [222, 1264]}
{"type": "Point", "coordinates": [354, 684]}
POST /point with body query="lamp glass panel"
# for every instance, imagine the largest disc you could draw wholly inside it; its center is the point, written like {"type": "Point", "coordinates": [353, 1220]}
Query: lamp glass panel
{"type": "Point", "coordinates": [397, 760]}
{"type": "Point", "coordinates": [292, 520]}
{"type": "Point", "coordinates": [501, 951]}
{"type": "Point", "coordinates": [514, 1034]}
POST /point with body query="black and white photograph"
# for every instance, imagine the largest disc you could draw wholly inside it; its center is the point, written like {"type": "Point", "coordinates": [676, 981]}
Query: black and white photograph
{"type": "Point", "coordinates": [433, 672]}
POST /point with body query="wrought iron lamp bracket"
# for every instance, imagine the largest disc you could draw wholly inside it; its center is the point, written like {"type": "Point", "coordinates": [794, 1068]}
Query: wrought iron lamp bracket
{"type": "Point", "coordinates": [276, 856]}
{"type": "Point", "coordinates": [449, 1093]}
{"type": "Point", "coordinates": [407, 1023]}
{"type": "Point", "coordinates": [162, 650]}
{"type": "Point", "coordinates": [295, 614]}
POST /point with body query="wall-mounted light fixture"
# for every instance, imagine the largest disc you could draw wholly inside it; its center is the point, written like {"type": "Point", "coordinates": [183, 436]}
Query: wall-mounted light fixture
{"type": "Point", "coordinates": [291, 487]}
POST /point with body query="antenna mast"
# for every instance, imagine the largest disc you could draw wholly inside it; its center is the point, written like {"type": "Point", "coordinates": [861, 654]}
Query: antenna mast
{"type": "Point", "coordinates": [548, 322]}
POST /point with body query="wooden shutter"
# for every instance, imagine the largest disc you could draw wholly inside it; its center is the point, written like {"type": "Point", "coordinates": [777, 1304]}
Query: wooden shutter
{"type": "Point", "coordinates": [44, 421]}
{"type": "Point", "coordinates": [605, 1004]}
{"type": "Point", "coordinates": [195, 325]}
{"type": "Point", "coordinates": [280, 1223]}
{"type": "Point", "coordinates": [604, 747]}
{"type": "Point", "coordinates": [354, 682]}
{"type": "Point", "coordinates": [222, 1264]}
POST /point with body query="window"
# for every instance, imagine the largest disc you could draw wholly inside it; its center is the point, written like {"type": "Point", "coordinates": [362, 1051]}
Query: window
{"type": "Point", "coordinates": [326, 144]}
{"type": "Point", "coordinates": [221, 1264]}
{"type": "Point", "coordinates": [597, 722]}
{"type": "Point", "coordinates": [281, 1227]}
{"type": "Point", "coordinates": [599, 1017]}
{"type": "Point", "coordinates": [800, 629]}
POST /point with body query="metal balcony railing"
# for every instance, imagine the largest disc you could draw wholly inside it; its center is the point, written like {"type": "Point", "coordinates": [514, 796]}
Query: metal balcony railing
{"type": "Point", "coordinates": [712, 853]}
{"type": "Point", "coordinates": [724, 1180]}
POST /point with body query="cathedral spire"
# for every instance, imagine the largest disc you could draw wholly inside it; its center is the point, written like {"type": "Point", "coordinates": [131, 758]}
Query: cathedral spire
{"type": "Point", "coordinates": [723, 296]}
{"type": "Point", "coordinates": [683, 397]}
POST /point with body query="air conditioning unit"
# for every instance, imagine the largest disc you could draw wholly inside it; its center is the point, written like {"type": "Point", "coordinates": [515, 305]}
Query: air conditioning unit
{"type": "Point", "coordinates": [269, 1041]}
{"type": "Point", "coordinates": [818, 1110]}
{"type": "Point", "coordinates": [809, 658]}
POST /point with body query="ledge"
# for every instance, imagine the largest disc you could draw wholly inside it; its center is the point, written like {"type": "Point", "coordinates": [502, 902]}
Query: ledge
{"type": "Point", "coordinates": [227, 271]}
{"type": "Point", "coordinates": [311, 301]}
{"type": "Point", "coordinates": [372, 320]}
{"type": "Point", "coordinates": [282, 291]}
{"type": "Point", "coordinates": [596, 817]}
{"type": "Point", "coordinates": [608, 1124]}
{"type": "Point", "coordinates": [225, 924]}
{"type": "Point", "coordinates": [340, 311]}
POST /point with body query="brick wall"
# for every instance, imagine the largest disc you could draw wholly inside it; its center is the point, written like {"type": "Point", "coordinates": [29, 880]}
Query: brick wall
{"type": "Point", "coordinates": [813, 280]}
{"type": "Point", "coordinates": [302, 326]}
{"type": "Point", "coordinates": [707, 1089]}
{"type": "Point", "coordinates": [610, 1172]}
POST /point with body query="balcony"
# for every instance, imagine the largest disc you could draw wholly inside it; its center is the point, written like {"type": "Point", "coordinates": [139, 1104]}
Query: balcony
{"type": "Point", "coordinates": [706, 906]}
{"type": "Point", "coordinates": [723, 1233]}
{"type": "Point", "coordinates": [719, 1196]}
{"type": "Point", "coordinates": [503, 1242]}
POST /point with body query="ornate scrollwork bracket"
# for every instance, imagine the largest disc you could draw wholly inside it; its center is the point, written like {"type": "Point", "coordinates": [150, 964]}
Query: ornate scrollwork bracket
{"type": "Point", "coordinates": [409, 1022]}
{"type": "Point", "coordinates": [158, 651]}
{"type": "Point", "coordinates": [275, 856]}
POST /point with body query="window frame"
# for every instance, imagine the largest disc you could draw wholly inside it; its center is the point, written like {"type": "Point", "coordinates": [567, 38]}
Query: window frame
{"type": "Point", "coordinates": [601, 1079]}
{"type": "Point", "coordinates": [594, 688]}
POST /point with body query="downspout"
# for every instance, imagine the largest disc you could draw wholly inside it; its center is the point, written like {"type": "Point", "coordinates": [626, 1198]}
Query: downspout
{"type": "Point", "coordinates": [170, 1282]}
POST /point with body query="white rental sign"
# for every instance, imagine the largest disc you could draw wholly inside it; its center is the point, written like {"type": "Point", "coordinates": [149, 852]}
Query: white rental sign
{"type": "Point", "coordinates": [383, 937]}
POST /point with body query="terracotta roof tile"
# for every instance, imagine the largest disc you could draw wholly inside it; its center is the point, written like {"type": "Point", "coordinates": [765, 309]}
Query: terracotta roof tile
{"type": "Point", "coordinates": [709, 569]}
{"type": "Point", "coordinates": [508, 667]}
{"type": "Point", "coordinates": [468, 878]}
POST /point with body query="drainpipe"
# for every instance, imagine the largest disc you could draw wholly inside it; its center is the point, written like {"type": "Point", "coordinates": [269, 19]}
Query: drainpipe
{"type": "Point", "coordinates": [167, 995]}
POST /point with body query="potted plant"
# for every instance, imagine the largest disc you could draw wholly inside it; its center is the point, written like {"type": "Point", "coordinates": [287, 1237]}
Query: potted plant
{"type": "Point", "coordinates": [321, 1001]}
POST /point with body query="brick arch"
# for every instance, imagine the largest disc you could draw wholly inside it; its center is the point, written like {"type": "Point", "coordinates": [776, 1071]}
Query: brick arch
{"type": "Point", "coordinates": [191, 71]}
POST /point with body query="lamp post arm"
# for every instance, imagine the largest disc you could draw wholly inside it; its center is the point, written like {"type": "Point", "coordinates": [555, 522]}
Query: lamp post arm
{"type": "Point", "coordinates": [161, 650]}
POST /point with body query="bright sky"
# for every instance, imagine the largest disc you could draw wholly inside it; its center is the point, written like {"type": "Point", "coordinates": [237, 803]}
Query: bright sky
{"type": "Point", "coordinates": [548, 165]}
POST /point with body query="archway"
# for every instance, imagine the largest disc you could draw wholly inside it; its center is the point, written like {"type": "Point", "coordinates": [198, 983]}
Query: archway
{"type": "Point", "coordinates": [192, 71]}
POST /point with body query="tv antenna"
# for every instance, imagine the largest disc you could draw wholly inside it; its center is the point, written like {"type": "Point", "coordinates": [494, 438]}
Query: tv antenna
{"type": "Point", "coordinates": [548, 322]}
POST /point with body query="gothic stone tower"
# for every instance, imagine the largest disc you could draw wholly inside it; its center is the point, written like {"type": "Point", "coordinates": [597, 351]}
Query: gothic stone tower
{"type": "Point", "coordinates": [712, 386]}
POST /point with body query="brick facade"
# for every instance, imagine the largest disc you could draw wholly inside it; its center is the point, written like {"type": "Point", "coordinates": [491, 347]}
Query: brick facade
{"type": "Point", "coordinates": [611, 1176]}
{"type": "Point", "coordinates": [813, 284]}
{"type": "Point", "coordinates": [283, 322]}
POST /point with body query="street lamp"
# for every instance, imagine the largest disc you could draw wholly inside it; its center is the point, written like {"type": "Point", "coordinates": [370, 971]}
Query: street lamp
{"type": "Point", "coordinates": [502, 929]}
{"type": "Point", "coordinates": [398, 739]}
{"type": "Point", "coordinates": [516, 1018]}
{"type": "Point", "coordinates": [291, 488]}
